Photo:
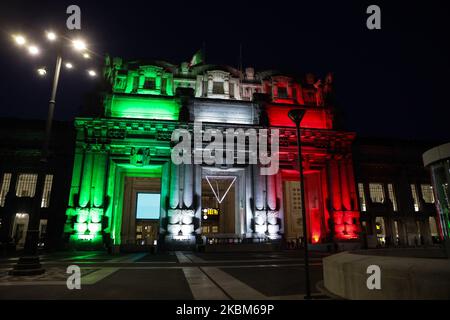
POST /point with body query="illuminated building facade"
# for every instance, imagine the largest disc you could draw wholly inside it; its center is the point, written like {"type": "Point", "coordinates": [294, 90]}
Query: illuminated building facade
{"type": "Point", "coordinates": [127, 193]}
{"type": "Point", "coordinates": [20, 152]}
{"type": "Point", "coordinates": [397, 200]}
{"type": "Point", "coordinates": [437, 160]}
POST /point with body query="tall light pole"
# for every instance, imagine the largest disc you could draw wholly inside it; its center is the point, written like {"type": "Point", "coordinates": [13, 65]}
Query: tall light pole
{"type": "Point", "coordinates": [296, 115]}
{"type": "Point", "coordinates": [29, 262]}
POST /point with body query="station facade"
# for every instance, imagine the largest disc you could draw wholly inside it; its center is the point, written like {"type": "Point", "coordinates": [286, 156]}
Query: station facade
{"type": "Point", "coordinates": [127, 193]}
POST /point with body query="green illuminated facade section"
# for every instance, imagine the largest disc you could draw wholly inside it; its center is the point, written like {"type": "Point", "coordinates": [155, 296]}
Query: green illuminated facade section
{"type": "Point", "coordinates": [132, 139]}
{"type": "Point", "coordinates": [109, 150]}
{"type": "Point", "coordinates": [116, 191]}
{"type": "Point", "coordinates": [142, 107]}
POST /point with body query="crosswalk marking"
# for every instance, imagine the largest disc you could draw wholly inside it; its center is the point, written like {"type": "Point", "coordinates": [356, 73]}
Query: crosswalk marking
{"type": "Point", "coordinates": [182, 258]}
{"type": "Point", "coordinates": [232, 286]}
{"type": "Point", "coordinates": [201, 286]}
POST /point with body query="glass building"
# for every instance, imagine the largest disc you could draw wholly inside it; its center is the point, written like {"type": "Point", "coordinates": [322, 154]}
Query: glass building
{"type": "Point", "coordinates": [438, 160]}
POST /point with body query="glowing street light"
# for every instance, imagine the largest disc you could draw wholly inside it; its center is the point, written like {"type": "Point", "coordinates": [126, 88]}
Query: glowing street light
{"type": "Point", "coordinates": [29, 262]}
{"type": "Point", "coordinates": [296, 115]}
{"type": "Point", "coordinates": [51, 36]}
{"type": "Point", "coordinates": [42, 72]}
{"type": "Point", "coordinates": [20, 40]}
{"type": "Point", "coordinates": [33, 50]}
{"type": "Point", "coordinates": [79, 45]}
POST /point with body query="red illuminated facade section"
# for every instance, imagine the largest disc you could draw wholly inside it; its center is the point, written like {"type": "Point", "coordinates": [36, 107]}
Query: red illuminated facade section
{"type": "Point", "coordinates": [330, 190]}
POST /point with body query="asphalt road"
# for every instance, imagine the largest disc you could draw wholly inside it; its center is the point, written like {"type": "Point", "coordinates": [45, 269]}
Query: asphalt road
{"type": "Point", "coordinates": [168, 276]}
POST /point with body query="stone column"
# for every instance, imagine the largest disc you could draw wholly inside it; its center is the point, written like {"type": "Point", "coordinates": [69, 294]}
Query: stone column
{"type": "Point", "coordinates": [198, 195]}
{"type": "Point", "coordinates": [335, 185]}
{"type": "Point", "coordinates": [226, 87]}
{"type": "Point", "coordinates": [426, 232]}
{"type": "Point", "coordinates": [352, 185]}
{"type": "Point", "coordinates": [165, 181]}
{"type": "Point", "coordinates": [248, 196]}
{"type": "Point", "coordinates": [188, 185]}
{"type": "Point", "coordinates": [174, 186]}
{"type": "Point", "coordinates": [98, 179]}
{"type": "Point", "coordinates": [271, 193]}
{"type": "Point", "coordinates": [258, 188]}
{"type": "Point", "coordinates": [279, 192]}
{"type": "Point", "coordinates": [86, 178]}
{"type": "Point", "coordinates": [210, 85]}
{"type": "Point", "coordinates": [345, 190]}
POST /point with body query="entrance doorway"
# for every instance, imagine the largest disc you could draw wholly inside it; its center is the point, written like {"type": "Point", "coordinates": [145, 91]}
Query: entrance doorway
{"type": "Point", "coordinates": [219, 205]}
{"type": "Point", "coordinates": [141, 213]}
{"type": "Point", "coordinates": [147, 217]}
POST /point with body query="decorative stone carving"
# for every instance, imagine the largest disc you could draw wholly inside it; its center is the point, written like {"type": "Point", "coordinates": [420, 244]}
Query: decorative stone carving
{"type": "Point", "coordinates": [272, 217]}
{"type": "Point", "coordinates": [174, 216]}
{"type": "Point", "coordinates": [187, 229]}
{"type": "Point", "coordinates": [260, 228]}
{"type": "Point", "coordinates": [187, 216]}
{"type": "Point", "coordinates": [174, 229]}
{"type": "Point", "coordinates": [273, 229]}
{"type": "Point", "coordinates": [140, 157]}
{"type": "Point", "coordinates": [260, 217]}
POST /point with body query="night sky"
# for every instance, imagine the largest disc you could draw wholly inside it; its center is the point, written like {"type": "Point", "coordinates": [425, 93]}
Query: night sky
{"type": "Point", "coordinates": [393, 82]}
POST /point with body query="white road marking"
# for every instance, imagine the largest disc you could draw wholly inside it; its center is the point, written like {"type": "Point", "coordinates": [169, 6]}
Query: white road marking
{"type": "Point", "coordinates": [201, 286]}
{"type": "Point", "coordinates": [80, 257]}
{"type": "Point", "coordinates": [128, 258]}
{"type": "Point", "coordinates": [182, 258]}
{"type": "Point", "coordinates": [194, 258]}
{"type": "Point", "coordinates": [89, 279]}
{"type": "Point", "coordinates": [232, 286]}
{"type": "Point", "coordinates": [96, 276]}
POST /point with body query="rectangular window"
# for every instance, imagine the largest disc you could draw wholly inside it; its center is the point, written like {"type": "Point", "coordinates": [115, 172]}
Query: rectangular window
{"type": "Point", "coordinates": [135, 83]}
{"type": "Point", "coordinates": [5, 188]}
{"type": "Point", "coordinates": [392, 196]}
{"type": "Point", "coordinates": [148, 205]}
{"type": "Point", "coordinates": [149, 83]}
{"type": "Point", "coordinates": [362, 197]}
{"type": "Point", "coordinates": [164, 86]}
{"type": "Point", "coordinates": [415, 197]}
{"type": "Point", "coordinates": [231, 90]}
{"type": "Point", "coordinates": [26, 185]}
{"type": "Point", "coordinates": [45, 203]}
{"type": "Point", "coordinates": [427, 193]}
{"type": "Point", "coordinates": [218, 87]}
{"type": "Point", "coordinates": [282, 92]}
{"type": "Point", "coordinates": [376, 192]}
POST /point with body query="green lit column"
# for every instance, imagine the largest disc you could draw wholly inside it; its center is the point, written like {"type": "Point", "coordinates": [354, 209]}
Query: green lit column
{"type": "Point", "coordinates": [85, 190]}
{"type": "Point", "coordinates": [98, 179]}
{"type": "Point", "coordinates": [76, 177]}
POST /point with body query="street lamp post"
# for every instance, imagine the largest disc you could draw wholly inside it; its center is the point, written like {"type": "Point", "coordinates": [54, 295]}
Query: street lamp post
{"type": "Point", "coordinates": [29, 262]}
{"type": "Point", "coordinates": [296, 115]}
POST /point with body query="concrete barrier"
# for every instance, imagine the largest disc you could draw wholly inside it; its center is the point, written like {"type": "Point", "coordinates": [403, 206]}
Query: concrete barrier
{"type": "Point", "coordinates": [345, 275]}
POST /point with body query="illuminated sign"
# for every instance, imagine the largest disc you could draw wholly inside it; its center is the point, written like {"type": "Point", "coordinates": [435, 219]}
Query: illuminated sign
{"type": "Point", "coordinates": [210, 212]}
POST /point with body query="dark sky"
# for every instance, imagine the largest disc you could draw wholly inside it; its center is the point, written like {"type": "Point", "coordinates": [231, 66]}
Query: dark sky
{"type": "Point", "coordinates": [393, 82]}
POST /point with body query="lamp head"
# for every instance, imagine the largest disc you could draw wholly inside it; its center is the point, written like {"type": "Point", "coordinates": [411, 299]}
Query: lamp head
{"type": "Point", "coordinates": [296, 115]}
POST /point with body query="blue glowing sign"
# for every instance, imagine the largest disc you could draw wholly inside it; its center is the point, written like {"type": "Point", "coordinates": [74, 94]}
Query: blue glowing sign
{"type": "Point", "coordinates": [148, 205]}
